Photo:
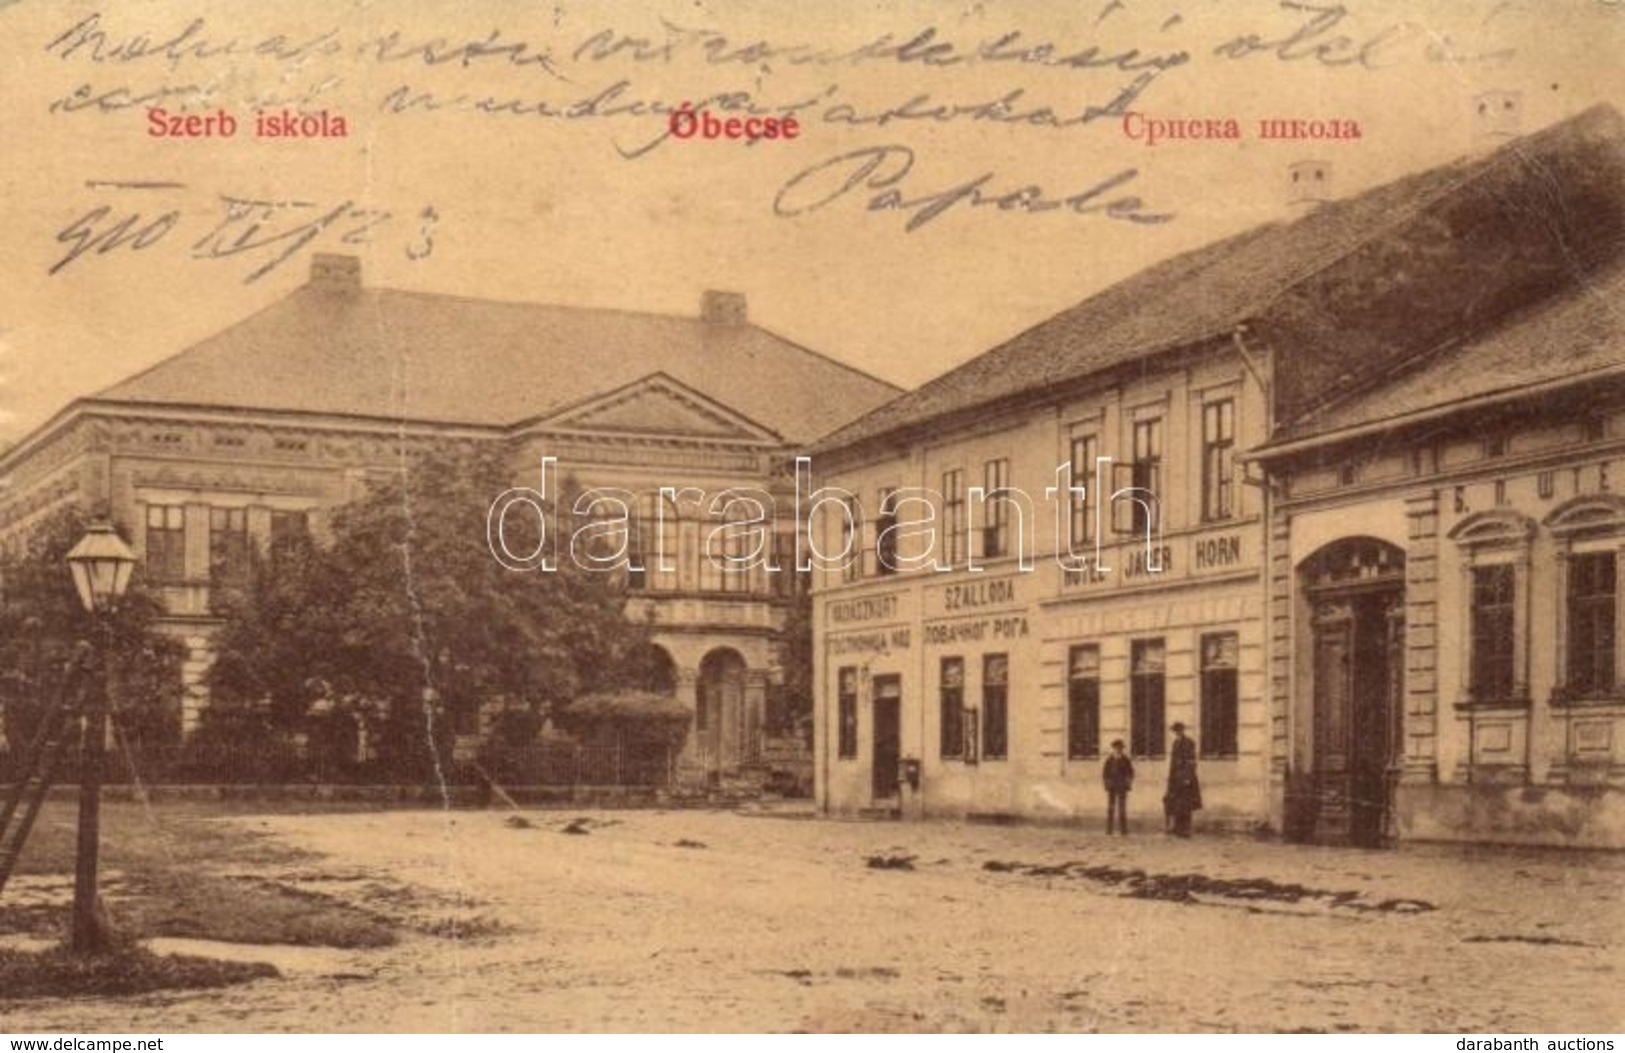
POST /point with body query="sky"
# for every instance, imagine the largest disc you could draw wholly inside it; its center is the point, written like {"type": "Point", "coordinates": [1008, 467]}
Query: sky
{"type": "Point", "coordinates": [521, 152]}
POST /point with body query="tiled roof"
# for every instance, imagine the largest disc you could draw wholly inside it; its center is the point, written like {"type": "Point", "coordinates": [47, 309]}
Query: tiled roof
{"type": "Point", "coordinates": [445, 359]}
{"type": "Point", "coordinates": [1577, 337]}
{"type": "Point", "coordinates": [1306, 281]}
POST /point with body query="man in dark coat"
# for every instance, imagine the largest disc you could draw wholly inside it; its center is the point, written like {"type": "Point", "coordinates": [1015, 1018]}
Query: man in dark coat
{"type": "Point", "coordinates": [1184, 792]}
{"type": "Point", "coordinates": [1118, 774]}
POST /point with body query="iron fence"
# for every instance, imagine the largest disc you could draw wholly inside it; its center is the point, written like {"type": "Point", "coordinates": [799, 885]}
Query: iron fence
{"type": "Point", "coordinates": [542, 764]}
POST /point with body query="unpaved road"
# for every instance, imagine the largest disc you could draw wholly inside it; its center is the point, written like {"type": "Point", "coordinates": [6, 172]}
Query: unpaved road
{"type": "Point", "coordinates": [705, 921]}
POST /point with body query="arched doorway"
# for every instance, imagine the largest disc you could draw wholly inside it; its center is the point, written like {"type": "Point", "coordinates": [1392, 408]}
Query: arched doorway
{"type": "Point", "coordinates": [661, 672]}
{"type": "Point", "coordinates": [1355, 590]}
{"type": "Point", "coordinates": [719, 708]}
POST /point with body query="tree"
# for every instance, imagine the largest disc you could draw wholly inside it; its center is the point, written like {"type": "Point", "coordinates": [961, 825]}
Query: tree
{"type": "Point", "coordinates": [42, 621]}
{"type": "Point", "coordinates": [407, 615]}
{"type": "Point", "coordinates": [793, 713]}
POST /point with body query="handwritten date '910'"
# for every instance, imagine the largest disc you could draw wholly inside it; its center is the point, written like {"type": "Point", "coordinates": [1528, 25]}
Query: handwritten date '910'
{"type": "Point", "coordinates": [266, 232]}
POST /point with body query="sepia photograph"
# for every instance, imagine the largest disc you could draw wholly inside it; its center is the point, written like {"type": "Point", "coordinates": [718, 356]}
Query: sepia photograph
{"type": "Point", "coordinates": [734, 517]}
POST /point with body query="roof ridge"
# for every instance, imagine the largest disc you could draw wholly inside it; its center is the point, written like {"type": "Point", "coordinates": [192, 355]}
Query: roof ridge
{"type": "Point", "coordinates": [1473, 171]}
{"type": "Point", "coordinates": [1099, 332]}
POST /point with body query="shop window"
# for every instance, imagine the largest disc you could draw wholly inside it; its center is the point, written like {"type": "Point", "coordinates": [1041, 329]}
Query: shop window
{"type": "Point", "coordinates": [847, 713]}
{"type": "Point", "coordinates": [952, 692]}
{"type": "Point", "coordinates": [1147, 667]}
{"type": "Point", "coordinates": [1218, 460]}
{"type": "Point", "coordinates": [1083, 702]}
{"type": "Point", "coordinates": [995, 706]}
{"type": "Point", "coordinates": [166, 543]}
{"type": "Point", "coordinates": [1221, 654]}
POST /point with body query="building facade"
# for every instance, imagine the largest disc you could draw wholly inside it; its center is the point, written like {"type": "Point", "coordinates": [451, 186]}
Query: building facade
{"type": "Point", "coordinates": [1335, 667]}
{"type": "Point", "coordinates": [273, 423]}
{"type": "Point", "coordinates": [1448, 587]}
{"type": "Point", "coordinates": [999, 673]}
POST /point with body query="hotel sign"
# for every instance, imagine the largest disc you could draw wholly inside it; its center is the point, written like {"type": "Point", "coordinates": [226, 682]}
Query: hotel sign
{"type": "Point", "coordinates": [1133, 564]}
{"type": "Point", "coordinates": [974, 595]}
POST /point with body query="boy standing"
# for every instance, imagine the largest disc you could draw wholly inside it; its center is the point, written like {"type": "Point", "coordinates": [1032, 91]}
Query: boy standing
{"type": "Point", "coordinates": [1118, 775]}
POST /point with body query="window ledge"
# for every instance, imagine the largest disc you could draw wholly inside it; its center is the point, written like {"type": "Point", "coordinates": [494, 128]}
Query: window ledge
{"type": "Point", "coordinates": [1571, 698]}
{"type": "Point", "coordinates": [1480, 705]}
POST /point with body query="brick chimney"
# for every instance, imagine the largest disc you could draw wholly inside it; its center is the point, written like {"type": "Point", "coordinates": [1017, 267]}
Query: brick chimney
{"type": "Point", "coordinates": [723, 308]}
{"type": "Point", "coordinates": [335, 273]}
{"type": "Point", "coordinates": [1309, 183]}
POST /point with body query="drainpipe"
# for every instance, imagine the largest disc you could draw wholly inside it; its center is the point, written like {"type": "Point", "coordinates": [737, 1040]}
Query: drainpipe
{"type": "Point", "coordinates": [1259, 371]}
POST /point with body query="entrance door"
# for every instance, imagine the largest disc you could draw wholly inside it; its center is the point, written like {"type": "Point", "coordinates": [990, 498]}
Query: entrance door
{"type": "Point", "coordinates": [721, 699]}
{"type": "Point", "coordinates": [1370, 747]}
{"type": "Point", "coordinates": [1358, 685]}
{"type": "Point", "coordinates": [888, 728]}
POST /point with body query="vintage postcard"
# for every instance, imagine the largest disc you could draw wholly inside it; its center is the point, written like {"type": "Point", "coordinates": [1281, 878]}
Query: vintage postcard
{"type": "Point", "coordinates": [699, 516]}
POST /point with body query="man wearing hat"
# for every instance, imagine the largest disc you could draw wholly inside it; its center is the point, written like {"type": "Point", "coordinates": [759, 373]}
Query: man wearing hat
{"type": "Point", "coordinates": [1118, 774]}
{"type": "Point", "coordinates": [1184, 792]}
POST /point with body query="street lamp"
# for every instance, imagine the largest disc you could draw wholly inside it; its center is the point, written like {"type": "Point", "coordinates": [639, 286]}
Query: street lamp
{"type": "Point", "coordinates": [101, 564]}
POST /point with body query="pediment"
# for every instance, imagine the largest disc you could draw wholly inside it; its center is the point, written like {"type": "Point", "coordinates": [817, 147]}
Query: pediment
{"type": "Point", "coordinates": [1491, 529]}
{"type": "Point", "coordinates": [656, 405]}
{"type": "Point", "coordinates": [1588, 515]}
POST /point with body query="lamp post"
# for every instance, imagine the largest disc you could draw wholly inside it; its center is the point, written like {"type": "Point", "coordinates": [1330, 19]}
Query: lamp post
{"type": "Point", "coordinates": [101, 564]}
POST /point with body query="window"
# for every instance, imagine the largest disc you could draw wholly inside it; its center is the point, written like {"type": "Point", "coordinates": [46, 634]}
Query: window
{"type": "Point", "coordinates": [996, 531]}
{"type": "Point", "coordinates": [852, 541]}
{"type": "Point", "coordinates": [738, 542]}
{"type": "Point", "coordinates": [952, 694]}
{"type": "Point", "coordinates": [286, 529]}
{"type": "Point", "coordinates": [885, 536]}
{"type": "Point", "coordinates": [723, 550]}
{"type": "Point", "coordinates": [847, 713]}
{"type": "Point", "coordinates": [788, 581]}
{"type": "Point", "coordinates": [1146, 472]}
{"type": "Point", "coordinates": [286, 526]}
{"type": "Point", "coordinates": [1085, 449]}
{"type": "Point", "coordinates": [1218, 460]}
{"type": "Point", "coordinates": [663, 528]}
{"type": "Point", "coordinates": [1147, 661]}
{"type": "Point", "coordinates": [1083, 702]}
{"type": "Point", "coordinates": [1221, 654]}
{"type": "Point", "coordinates": [640, 541]}
{"type": "Point", "coordinates": [953, 516]}
{"type": "Point", "coordinates": [995, 706]}
{"type": "Point", "coordinates": [1591, 625]}
{"type": "Point", "coordinates": [1493, 652]}
{"type": "Point", "coordinates": [166, 543]}
{"type": "Point", "coordinates": [228, 546]}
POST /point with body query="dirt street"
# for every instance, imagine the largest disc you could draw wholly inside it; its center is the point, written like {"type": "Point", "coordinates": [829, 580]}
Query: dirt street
{"type": "Point", "coordinates": [701, 921]}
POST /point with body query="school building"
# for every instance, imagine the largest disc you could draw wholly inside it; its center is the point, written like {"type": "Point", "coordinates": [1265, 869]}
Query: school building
{"type": "Point", "coordinates": [1331, 466]}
